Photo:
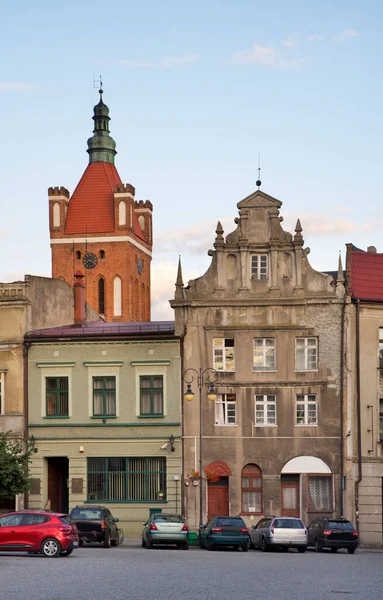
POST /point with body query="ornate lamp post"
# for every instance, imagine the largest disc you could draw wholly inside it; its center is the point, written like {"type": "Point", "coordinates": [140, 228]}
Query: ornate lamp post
{"type": "Point", "coordinates": [202, 377]}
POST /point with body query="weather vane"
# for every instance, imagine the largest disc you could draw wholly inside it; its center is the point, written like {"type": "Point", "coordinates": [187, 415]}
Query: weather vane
{"type": "Point", "coordinates": [97, 83]}
{"type": "Point", "coordinates": [258, 182]}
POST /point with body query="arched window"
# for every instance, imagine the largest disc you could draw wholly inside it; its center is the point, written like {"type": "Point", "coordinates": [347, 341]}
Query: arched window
{"type": "Point", "coordinates": [101, 296]}
{"type": "Point", "coordinates": [142, 302]}
{"type": "Point", "coordinates": [117, 297]}
{"type": "Point", "coordinates": [141, 220]}
{"type": "Point", "coordinates": [102, 254]}
{"type": "Point", "coordinates": [122, 213]}
{"type": "Point", "coordinates": [136, 301]}
{"type": "Point", "coordinates": [56, 214]}
{"type": "Point", "coordinates": [78, 254]}
{"type": "Point", "coordinates": [251, 489]}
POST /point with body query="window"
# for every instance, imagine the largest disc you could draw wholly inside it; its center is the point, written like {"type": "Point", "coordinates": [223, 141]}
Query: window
{"type": "Point", "coordinates": [306, 409]}
{"type": "Point", "coordinates": [320, 493]}
{"type": "Point", "coordinates": [224, 354]}
{"type": "Point", "coordinates": [104, 396]}
{"type": "Point", "coordinates": [380, 347]}
{"type": "Point", "coordinates": [381, 418]}
{"type": "Point", "coordinates": [265, 410]}
{"type": "Point", "coordinates": [259, 266]}
{"type": "Point", "coordinates": [151, 396]}
{"type": "Point", "coordinates": [306, 353]}
{"type": "Point", "coordinates": [225, 410]}
{"type": "Point", "coordinates": [57, 404]}
{"type": "Point", "coordinates": [122, 213]}
{"type": "Point", "coordinates": [78, 254]}
{"type": "Point", "coordinates": [11, 520]}
{"type": "Point", "coordinates": [102, 254]}
{"type": "Point", "coordinates": [264, 354]}
{"type": "Point", "coordinates": [251, 489]}
{"type": "Point", "coordinates": [127, 479]}
{"type": "Point", "coordinates": [56, 214]}
{"type": "Point", "coordinates": [101, 296]}
{"type": "Point", "coordinates": [117, 297]}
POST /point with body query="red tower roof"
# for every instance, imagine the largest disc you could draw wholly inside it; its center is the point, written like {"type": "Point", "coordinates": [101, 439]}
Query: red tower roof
{"type": "Point", "coordinates": [91, 207]}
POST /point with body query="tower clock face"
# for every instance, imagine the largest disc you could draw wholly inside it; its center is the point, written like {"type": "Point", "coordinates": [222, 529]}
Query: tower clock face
{"type": "Point", "coordinates": [90, 260]}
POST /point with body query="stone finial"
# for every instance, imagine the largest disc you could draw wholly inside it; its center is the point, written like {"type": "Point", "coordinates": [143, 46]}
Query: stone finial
{"type": "Point", "coordinates": [298, 237]}
{"type": "Point", "coordinates": [340, 276]}
{"type": "Point", "coordinates": [180, 292]}
{"type": "Point", "coordinates": [58, 191]}
{"type": "Point", "coordinates": [124, 188]}
{"type": "Point", "coordinates": [139, 204]}
{"type": "Point", "coordinates": [219, 241]}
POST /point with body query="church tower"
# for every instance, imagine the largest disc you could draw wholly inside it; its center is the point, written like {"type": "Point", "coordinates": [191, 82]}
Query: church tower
{"type": "Point", "coordinates": [102, 230]}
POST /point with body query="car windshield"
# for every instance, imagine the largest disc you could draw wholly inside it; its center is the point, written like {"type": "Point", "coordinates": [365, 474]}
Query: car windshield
{"type": "Point", "coordinates": [168, 519]}
{"type": "Point", "coordinates": [227, 522]}
{"type": "Point", "coordinates": [288, 524]}
{"type": "Point", "coordinates": [84, 514]}
{"type": "Point", "coordinates": [346, 525]}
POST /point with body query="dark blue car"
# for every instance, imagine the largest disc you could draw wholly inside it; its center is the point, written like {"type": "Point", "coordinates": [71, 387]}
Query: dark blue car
{"type": "Point", "coordinates": [224, 531]}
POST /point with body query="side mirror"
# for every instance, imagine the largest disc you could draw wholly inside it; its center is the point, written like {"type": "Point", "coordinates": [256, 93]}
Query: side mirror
{"type": "Point", "coordinates": [116, 520]}
{"type": "Point", "coordinates": [145, 523]}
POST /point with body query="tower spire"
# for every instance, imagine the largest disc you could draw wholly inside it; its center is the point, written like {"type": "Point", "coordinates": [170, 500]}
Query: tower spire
{"type": "Point", "coordinates": [101, 146]}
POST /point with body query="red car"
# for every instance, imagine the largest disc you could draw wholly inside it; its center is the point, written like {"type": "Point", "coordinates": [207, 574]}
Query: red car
{"type": "Point", "coordinates": [38, 532]}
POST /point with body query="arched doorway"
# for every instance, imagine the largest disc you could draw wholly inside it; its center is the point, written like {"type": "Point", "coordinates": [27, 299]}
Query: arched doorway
{"type": "Point", "coordinates": [218, 492]}
{"type": "Point", "coordinates": [318, 492]}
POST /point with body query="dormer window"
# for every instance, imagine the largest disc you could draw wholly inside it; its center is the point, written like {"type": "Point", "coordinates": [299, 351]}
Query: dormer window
{"type": "Point", "coordinates": [259, 266]}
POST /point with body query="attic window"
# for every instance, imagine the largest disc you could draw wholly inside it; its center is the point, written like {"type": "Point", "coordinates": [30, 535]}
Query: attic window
{"type": "Point", "coordinates": [259, 266]}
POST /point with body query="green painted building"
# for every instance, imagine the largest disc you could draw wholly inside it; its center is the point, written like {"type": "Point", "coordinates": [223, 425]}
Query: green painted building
{"type": "Point", "coordinates": [104, 416]}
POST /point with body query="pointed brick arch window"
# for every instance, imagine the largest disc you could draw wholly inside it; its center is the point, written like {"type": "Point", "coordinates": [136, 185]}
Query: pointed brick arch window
{"type": "Point", "coordinates": [56, 214]}
{"type": "Point", "coordinates": [101, 296]}
{"type": "Point", "coordinates": [122, 213]}
{"type": "Point", "coordinates": [251, 490]}
{"type": "Point", "coordinates": [117, 297]}
{"type": "Point", "coordinates": [141, 220]}
{"type": "Point", "coordinates": [143, 302]}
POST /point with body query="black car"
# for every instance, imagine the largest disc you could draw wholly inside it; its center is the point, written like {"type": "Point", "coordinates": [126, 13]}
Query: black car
{"type": "Point", "coordinates": [332, 533]}
{"type": "Point", "coordinates": [95, 524]}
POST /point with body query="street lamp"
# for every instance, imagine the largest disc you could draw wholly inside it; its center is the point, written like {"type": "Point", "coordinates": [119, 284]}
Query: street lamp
{"type": "Point", "coordinates": [202, 377]}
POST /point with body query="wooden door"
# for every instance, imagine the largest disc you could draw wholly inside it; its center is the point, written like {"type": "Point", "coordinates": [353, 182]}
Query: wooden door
{"type": "Point", "coordinates": [290, 500]}
{"type": "Point", "coordinates": [218, 500]}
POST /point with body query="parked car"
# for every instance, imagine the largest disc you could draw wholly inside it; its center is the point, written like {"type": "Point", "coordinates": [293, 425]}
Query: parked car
{"type": "Point", "coordinates": [332, 533]}
{"type": "Point", "coordinates": [38, 532]}
{"type": "Point", "coordinates": [279, 532]}
{"type": "Point", "coordinates": [162, 528]}
{"type": "Point", "coordinates": [224, 531]}
{"type": "Point", "coordinates": [95, 524]}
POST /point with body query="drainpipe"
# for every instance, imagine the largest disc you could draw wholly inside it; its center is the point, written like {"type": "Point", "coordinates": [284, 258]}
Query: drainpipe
{"type": "Point", "coordinates": [341, 416]}
{"type": "Point", "coordinates": [358, 413]}
{"type": "Point", "coordinates": [182, 511]}
{"type": "Point", "coordinates": [26, 347]}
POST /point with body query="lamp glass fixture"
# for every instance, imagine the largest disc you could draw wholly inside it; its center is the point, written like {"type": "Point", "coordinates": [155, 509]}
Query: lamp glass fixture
{"type": "Point", "coordinates": [189, 394]}
{"type": "Point", "coordinates": [211, 395]}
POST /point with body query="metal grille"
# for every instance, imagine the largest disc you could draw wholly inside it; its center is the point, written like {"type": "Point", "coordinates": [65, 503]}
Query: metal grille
{"type": "Point", "coordinates": [289, 498]}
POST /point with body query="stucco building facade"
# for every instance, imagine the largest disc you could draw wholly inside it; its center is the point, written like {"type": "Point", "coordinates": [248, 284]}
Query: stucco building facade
{"type": "Point", "coordinates": [270, 327]}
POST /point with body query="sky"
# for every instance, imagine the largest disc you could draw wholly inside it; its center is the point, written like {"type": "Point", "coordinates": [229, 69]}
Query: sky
{"type": "Point", "coordinates": [196, 91]}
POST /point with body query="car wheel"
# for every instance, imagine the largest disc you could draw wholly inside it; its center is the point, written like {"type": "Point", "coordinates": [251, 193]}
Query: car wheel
{"type": "Point", "coordinates": [81, 543]}
{"type": "Point", "coordinates": [114, 542]}
{"type": "Point", "coordinates": [143, 543]}
{"type": "Point", "coordinates": [245, 548]}
{"type": "Point", "coordinates": [318, 546]}
{"type": "Point", "coordinates": [351, 550]}
{"type": "Point", "coordinates": [186, 546]}
{"type": "Point", "coordinates": [149, 545]}
{"type": "Point", "coordinates": [51, 548]}
{"type": "Point", "coordinates": [302, 549]}
{"type": "Point", "coordinates": [66, 552]}
{"type": "Point", "coordinates": [334, 549]}
{"type": "Point", "coordinates": [209, 545]}
{"type": "Point", "coordinates": [264, 546]}
{"type": "Point", "coordinates": [106, 543]}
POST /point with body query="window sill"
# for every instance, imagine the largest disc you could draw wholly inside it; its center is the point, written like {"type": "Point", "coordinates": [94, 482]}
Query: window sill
{"type": "Point", "coordinates": [103, 417]}
{"type": "Point", "coordinates": [265, 425]}
{"type": "Point", "coordinates": [306, 424]}
{"type": "Point", "coordinates": [125, 501]}
{"type": "Point", "coordinates": [221, 372]}
{"type": "Point", "coordinates": [264, 370]}
{"type": "Point", "coordinates": [150, 416]}
{"type": "Point", "coordinates": [226, 425]}
{"type": "Point", "coordinates": [56, 417]}
{"type": "Point", "coordinates": [306, 370]}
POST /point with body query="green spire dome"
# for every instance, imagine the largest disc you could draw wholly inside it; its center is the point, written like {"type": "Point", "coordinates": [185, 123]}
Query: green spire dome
{"type": "Point", "coordinates": [101, 146]}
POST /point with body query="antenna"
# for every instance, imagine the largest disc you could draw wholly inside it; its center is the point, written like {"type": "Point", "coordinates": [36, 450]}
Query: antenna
{"type": "Point", "coordinates": [258, 182]}
{"type": "Point", "coordinates": [97, 83]}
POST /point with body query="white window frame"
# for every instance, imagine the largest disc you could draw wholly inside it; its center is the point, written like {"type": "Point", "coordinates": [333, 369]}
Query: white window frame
{"type": "Point", "coordinates": [308, 401]}
{"type": "Point", "coordinates": [227, 402]}
{"type": "Point", "coordinates": [259, 271]}
{"type": "Point", "coordinates": [380, 351]}
{"type": "Point", "coordinates": [265, 403]}
{"type": "Point", "coordinates": [308, 345]}
{"type": "Point", "coordinates": [264, 349]}
{"type": "Point", "coordinates": [53, 370]}
{"type": "Point", "coordinates": [2, 392]}
{"type": "Point", "coordinates": [219, 345]}
{"type": "Point", "coordinates": [143, 369]}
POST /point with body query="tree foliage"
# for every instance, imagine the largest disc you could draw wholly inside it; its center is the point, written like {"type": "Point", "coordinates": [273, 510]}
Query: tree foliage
{"type": "Point", "coordinates": [14, 460]}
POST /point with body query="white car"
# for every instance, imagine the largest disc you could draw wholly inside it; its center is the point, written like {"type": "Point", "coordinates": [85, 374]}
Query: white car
{"type": "Point", "coordinates": [279, 532]}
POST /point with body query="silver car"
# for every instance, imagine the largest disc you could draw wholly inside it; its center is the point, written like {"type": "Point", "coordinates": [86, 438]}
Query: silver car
{"type": "Point", "coordinates": [279, 532]}
{"type": "Point", "coordinates": [165, 529]}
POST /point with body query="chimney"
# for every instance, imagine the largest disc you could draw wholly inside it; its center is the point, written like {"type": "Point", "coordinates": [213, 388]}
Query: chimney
{"type": "Point", "coordinates": [79, 299]}
{"type": "Point", "coordinates": [371, 249]}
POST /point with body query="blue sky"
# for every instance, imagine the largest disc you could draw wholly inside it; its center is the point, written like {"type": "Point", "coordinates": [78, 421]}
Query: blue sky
{"type": "Point", "coordinates": [196, 91]}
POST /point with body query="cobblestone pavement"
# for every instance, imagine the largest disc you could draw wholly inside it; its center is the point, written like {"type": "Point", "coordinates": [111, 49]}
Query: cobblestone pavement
{"type": "Point", "coordinates": [131, 572]}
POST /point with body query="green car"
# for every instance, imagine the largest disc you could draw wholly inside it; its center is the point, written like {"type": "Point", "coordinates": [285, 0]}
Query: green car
{"type": "Point", "coordinates": [166, 530]}
{"type": "Point", "coordinates": [224, 531]}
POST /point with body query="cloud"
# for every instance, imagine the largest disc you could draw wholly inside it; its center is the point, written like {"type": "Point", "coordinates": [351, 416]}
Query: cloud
{"type": "Point", "coordinates": [348, 34]}
{"type": "Point", "coordinates": [320, 225]}
{"type": "Point", "coordinates": [267, 56]}
{"type": "Point", "coordinates": [315, 37]}
{"type": "Point", "coordinates": [165, 63]}
{"type": "Point", "coordinates": [289, 43]}
{"type": "Point", "coordinates": [13, 86]}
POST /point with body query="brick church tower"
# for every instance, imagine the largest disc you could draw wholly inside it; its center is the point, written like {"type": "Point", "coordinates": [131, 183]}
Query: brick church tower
{"type": "Point", "coordinates": [103, 231]}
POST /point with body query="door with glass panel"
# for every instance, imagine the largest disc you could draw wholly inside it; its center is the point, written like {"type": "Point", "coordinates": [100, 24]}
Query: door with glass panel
{"type": "Point", "coordinates": [290, 496]}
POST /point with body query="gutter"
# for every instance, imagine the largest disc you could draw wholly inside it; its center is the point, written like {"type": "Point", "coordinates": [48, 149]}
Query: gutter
{"type": "Point", "coordinates": [26, 346]}
{"type": "Point", "coordinates": [358, 410]}
{"type": "Point", "coordinates": [341, 416]}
